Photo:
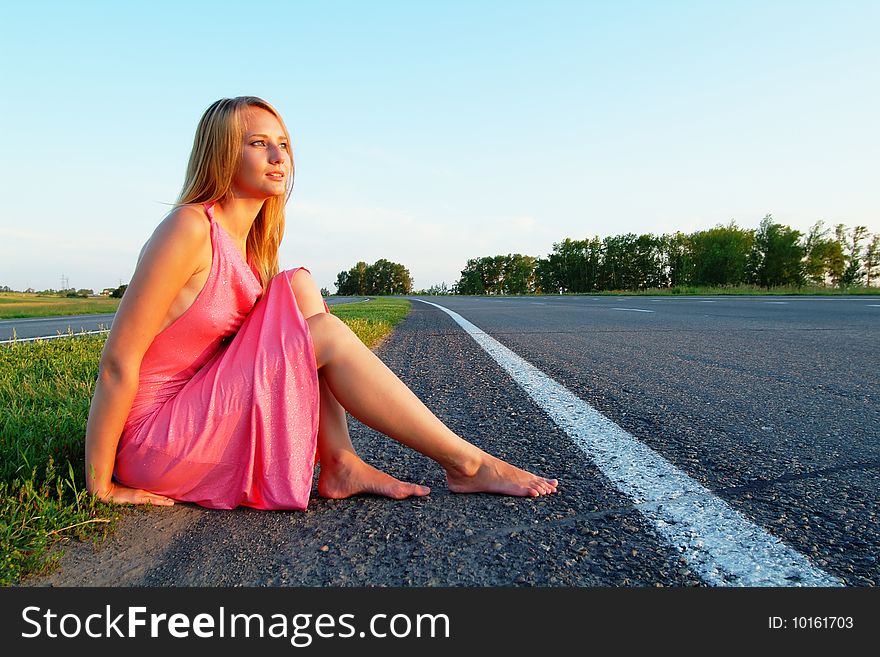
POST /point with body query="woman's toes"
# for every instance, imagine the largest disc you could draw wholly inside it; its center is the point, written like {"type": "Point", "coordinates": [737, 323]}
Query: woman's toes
{"type": "Point", "coordinates": [407, 490]}
{"type": "Point", "coordinates": [549, 485]}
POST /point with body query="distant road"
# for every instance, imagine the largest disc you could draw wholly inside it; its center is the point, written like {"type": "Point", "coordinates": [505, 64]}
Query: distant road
{"type": "Point", "coordinates": [51, 327]}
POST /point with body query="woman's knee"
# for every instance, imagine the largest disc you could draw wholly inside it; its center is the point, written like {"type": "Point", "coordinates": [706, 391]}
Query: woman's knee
{"type": "Point", "coordinates": [308, 297]}
{"type": "Point", "coordinates": [328, 333]}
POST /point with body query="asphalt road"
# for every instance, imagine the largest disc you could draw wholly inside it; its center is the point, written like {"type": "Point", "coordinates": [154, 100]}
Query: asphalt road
{"type": "Point", "coordinates": [34, 327]}
{"type": "Point", "coordinates": [770, 403]}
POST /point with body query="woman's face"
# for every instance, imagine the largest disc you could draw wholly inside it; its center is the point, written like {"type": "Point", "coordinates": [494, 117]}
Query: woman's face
{"type": "Point", "coordinates": [266, 161]}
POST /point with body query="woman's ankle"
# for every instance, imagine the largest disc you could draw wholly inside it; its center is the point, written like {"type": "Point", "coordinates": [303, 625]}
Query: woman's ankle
{"type": "Point", "coordinates": [465, 463]}
{"type": "Point", "coordinates": [331, 458]}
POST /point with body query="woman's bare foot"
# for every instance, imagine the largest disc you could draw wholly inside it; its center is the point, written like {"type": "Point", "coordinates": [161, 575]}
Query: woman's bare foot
{"type": "Point", "coordinates": [346, 474]}
{"type": "Point", "coordinates": [492, 475]}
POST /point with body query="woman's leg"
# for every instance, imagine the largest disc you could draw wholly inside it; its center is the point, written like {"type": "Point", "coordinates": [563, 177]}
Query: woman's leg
{"type": "Point", "coordinates": [360, 382]}
{"type": "Point", "coordinates": [343, 473]}
{"type": "Point", "coordinates": [373, 394]}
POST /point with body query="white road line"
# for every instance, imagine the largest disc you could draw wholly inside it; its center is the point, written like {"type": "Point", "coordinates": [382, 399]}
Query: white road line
{"type": "Point", "coordinates": [52, 337]}
{"type": "Point", "coordinates": [705, 301]}
{"type": "Point", "coordinates": [873, 305]}
{"type": "Point", "coordinates": [780, 303]}
{"type": "Point", "coordinates": [633, 310]}
{"type": "Point", "coordinates": [722, 546]}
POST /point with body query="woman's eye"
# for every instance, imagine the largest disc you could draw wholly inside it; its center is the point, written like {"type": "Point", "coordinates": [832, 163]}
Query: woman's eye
{"type": "Point", "coordinates": [258, 142]}
{"type": "Point", "coordinates": [284, 145]}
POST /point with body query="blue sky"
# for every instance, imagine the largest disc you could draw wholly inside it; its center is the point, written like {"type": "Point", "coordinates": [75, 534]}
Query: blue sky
{"type": "Point", "coordinates": [428, 133]}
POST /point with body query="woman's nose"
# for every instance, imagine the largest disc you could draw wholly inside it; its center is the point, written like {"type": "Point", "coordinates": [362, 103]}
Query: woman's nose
{"type": "Point", "coordinates": [278, 155]}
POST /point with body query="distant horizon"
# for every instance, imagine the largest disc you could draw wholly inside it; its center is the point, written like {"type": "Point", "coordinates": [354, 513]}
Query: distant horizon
{"type": "Point", "coordinates": [829, 228]}
{"type": "Point", "coordinates": [429, 133]}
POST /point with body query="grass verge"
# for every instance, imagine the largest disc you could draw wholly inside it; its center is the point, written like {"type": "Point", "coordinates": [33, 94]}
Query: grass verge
{"type": "Point", "coordinates": [372, 320]}
{"type": "Point", "coordinates": [14, 305]}
{"type": "Point", "coordinates": [46, 388]}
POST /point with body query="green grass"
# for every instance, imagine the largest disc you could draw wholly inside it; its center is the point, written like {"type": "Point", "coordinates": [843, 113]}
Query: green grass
{"type": "Point", "coordinates": [19, 305]}
{"type": "Point", "coordinates": [45, 392]}
{"type": "Point", "coordinates": [372, 320]}
{"type": "Point", "coordinates": [46, 387]}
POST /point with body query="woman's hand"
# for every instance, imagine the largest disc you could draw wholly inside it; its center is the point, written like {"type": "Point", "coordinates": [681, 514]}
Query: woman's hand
{"type": "Point", "coordinates": [123, 495]}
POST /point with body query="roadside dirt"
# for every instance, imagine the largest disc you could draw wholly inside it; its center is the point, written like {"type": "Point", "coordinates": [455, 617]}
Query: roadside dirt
{"type": "Point", "coordinates": [141, 536]}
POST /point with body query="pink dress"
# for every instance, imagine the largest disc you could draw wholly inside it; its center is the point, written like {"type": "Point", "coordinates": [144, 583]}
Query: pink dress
{"type": "Point", "coordinates": [226, 412]}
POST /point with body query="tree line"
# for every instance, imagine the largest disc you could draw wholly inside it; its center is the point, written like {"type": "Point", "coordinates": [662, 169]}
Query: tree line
{"type": "Point", "coordinates": [771, 255]}
{"type": "Point", "coordinates": [381, 278]}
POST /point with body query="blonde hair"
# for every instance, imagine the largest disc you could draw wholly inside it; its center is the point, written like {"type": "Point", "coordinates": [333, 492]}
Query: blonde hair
{"type": "Point", "coordinates": [215, 157]}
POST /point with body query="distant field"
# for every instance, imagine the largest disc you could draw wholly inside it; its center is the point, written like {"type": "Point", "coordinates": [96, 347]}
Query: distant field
{"type": "Point", "coordinates": [17, 304]}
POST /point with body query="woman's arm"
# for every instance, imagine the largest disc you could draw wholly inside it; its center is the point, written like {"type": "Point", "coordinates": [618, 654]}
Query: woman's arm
{"type": "Point", "coordinates": [169, 260]}
{"type": "Point", "coordinates": [114, 393]}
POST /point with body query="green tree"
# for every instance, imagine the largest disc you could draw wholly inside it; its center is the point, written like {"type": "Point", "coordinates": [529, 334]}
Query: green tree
{"type": "Point", "coordinates": [381, 278]}
{"type": "Point", "coordinates": [513, 273]}
{"type": "Point", "coordinates": [378, 276]}
{"type": "Point", "coordinates": [354, 281]}
{"type": "Point", "coordinates": [677, 255]}
{"type": "Point", "coordinates": [648, 262]}
{"type": "Point", "coordinates": [547, 279]}
{"type": "Point", "coordinates": [471, 281]}
{"type": "Point", "coordinates": [872, 260]}
{"type": "Point", "coordinates": [720, 255]}
{"type": "Point", "coordinates": [359, 275]}
{"type": "Point", "coordinates": [574, 261]}
{"type": "Point", "coordinates": [490, 275]}
{"type": "Point", "coordinates": [816, 246]}
{"type": "Point", "coordinates": [824, 257]}
{"type": "Point", "coordinates": [344, 283]}
{"type": "Point", "coordinates": [518, 274]}
{"type": "Point", "coordinates": [777, 255]}
{"type": "Point", "coordinates": [618, 269]}
{"type": "Point", "coordinates": [835, 263]}
{"type": "Point", "coordinates": [852, 273]}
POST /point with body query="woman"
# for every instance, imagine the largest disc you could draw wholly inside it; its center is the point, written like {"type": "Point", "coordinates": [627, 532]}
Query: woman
{"type": "Point", "coordinates": [223, 379]}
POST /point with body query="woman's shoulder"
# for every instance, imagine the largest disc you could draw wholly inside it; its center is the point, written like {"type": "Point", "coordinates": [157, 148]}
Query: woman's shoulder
{"type": "Point", "coordinates": [186, 225]}
{"type": "Point", "coordinates": [191, 216]}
